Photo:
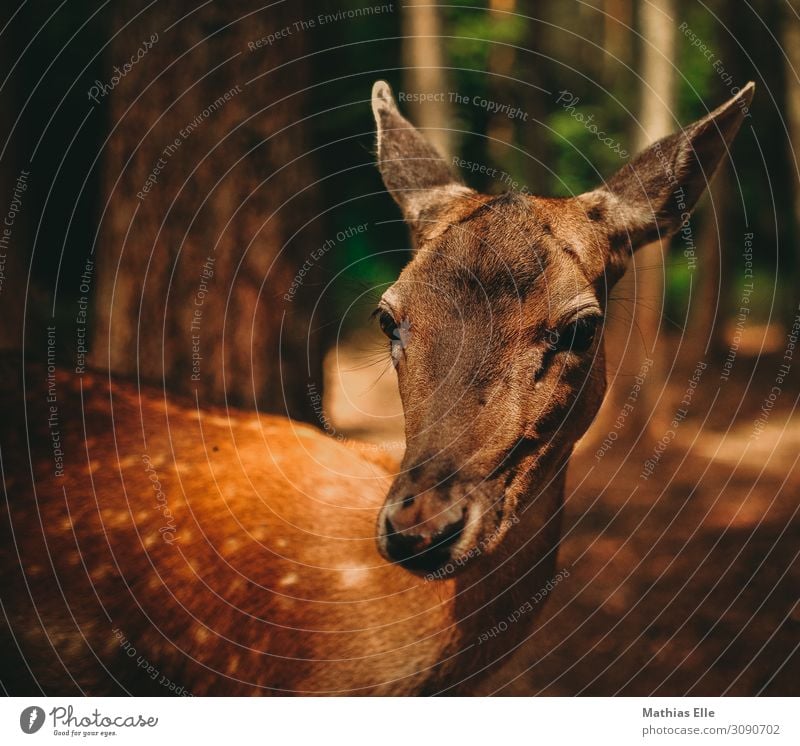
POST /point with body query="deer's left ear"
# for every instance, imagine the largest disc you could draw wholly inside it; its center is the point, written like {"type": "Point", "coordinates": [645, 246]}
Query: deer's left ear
{"type": "Point", "coordinates": [417, 177]}
{"type": "Point", "coordinates": [653, 195]}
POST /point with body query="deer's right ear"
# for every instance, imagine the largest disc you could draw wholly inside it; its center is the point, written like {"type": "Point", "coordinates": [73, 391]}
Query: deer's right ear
{"type": "Point", "coordinates": [417, 177]}
{"type": "Point", "coordinates": [652, 196]}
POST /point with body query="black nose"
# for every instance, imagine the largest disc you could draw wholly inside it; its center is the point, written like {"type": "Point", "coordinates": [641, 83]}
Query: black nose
{"type": "Point", "coordinates": [421, 551]}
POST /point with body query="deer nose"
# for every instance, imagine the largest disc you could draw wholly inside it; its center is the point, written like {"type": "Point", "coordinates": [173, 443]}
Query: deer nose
{"type": "Point", "coordinates": [424, 548]}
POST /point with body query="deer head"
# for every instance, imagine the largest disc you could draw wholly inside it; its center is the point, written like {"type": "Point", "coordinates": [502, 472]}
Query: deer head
{"type": "Point", "coordinates": [495, 326]}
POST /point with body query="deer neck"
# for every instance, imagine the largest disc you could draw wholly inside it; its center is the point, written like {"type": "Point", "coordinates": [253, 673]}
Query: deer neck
{"type": "Point", "coordinates": [508, 587]}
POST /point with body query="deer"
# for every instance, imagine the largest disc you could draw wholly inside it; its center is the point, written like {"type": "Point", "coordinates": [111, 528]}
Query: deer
{"type": "Point", "coordinates": [185, 549]}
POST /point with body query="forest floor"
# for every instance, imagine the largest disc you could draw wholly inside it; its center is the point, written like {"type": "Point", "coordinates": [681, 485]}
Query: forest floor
{"type": "Point", "coordinates": [686, 582]}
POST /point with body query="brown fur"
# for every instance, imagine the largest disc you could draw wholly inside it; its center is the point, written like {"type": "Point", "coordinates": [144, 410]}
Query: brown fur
{"type": "Point", "coordinates": [265, 576]}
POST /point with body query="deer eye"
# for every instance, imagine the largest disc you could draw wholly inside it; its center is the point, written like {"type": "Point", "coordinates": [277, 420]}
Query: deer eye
{"type": "Point", "coordinates": [577, 336]}
{"type": "Point", "coordinates": [387, 324]}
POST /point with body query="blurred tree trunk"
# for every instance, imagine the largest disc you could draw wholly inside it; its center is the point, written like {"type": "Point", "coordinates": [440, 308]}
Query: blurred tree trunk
{"type": "Point", "coordinates": [644, 281]}
{"type": "Point", "coordinates": [206, 222]}
{"type": "Point", "coordinates": [718, 240]}
{"type": "Point", "coordinates": [791, 46]}
{"type": "Point", "coordinates": [502, 60]}
{"type": "Point", "coordinates": [15, 170]}
{"type": "Point", "coordinates": [533, 133]}
{"type": "Point", "coordinates": [617, 23]}
{"type": "Point", "coordinates": [425, 73]}
{"type": "Point", "coordinates": [705, 330]}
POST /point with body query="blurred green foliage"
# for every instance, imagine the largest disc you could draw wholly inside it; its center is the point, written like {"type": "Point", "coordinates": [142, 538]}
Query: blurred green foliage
{"type": "Point", "coordinates": [557, 45]}
{"type": "Point", "coordinates": [522, 59]}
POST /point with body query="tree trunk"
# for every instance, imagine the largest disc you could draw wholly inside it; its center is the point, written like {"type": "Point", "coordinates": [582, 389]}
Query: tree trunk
{"type": "Point", "coordinates": [705, 333]}
{"type": "Point", "coordinates": [791, 47]}
{"type": "Point", "coordinates": [208, 215]}
{"type": "Point", "coordinates": [643, 286]}
{"type": "Point", "coordinates": [14, 207]}
{"type": "Point", "coordinates": [425, 73]}
{"type": "Point", "coordinates": [502, 61]}
{"type": "Point", "coordinates": [617, 22]}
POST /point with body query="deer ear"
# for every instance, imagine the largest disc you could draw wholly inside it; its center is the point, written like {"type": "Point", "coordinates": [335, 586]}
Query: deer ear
{"type": "Point", "coordinates": [417, 177]}
{"type": "Point", "coordinates": [652, 196]}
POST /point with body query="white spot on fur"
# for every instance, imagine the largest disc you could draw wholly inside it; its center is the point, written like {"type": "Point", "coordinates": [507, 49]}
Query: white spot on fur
{"type": "Point", "coordinates": [201, 634]}
{"type": "Point", "coordinates": [233, 665]}
{"type": "Point", "coordinates": [118, 519]}
{"type": "Point", "coordinates": [353, 576]}
{"type": "Point", "coordinates": [329, 492]}
{"type": "Point", "coordinates": [289, 579]}
{"type": "Point", "coordinates": [231, 545]}
{"type": "Point", "coordinates": [216, 420]}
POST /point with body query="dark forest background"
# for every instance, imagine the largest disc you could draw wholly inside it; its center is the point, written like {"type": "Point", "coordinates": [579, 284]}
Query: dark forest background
{"type": "Point", "coordinates": [247, 270]}
{"type": "Point", "coordinates": [286, 164]}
